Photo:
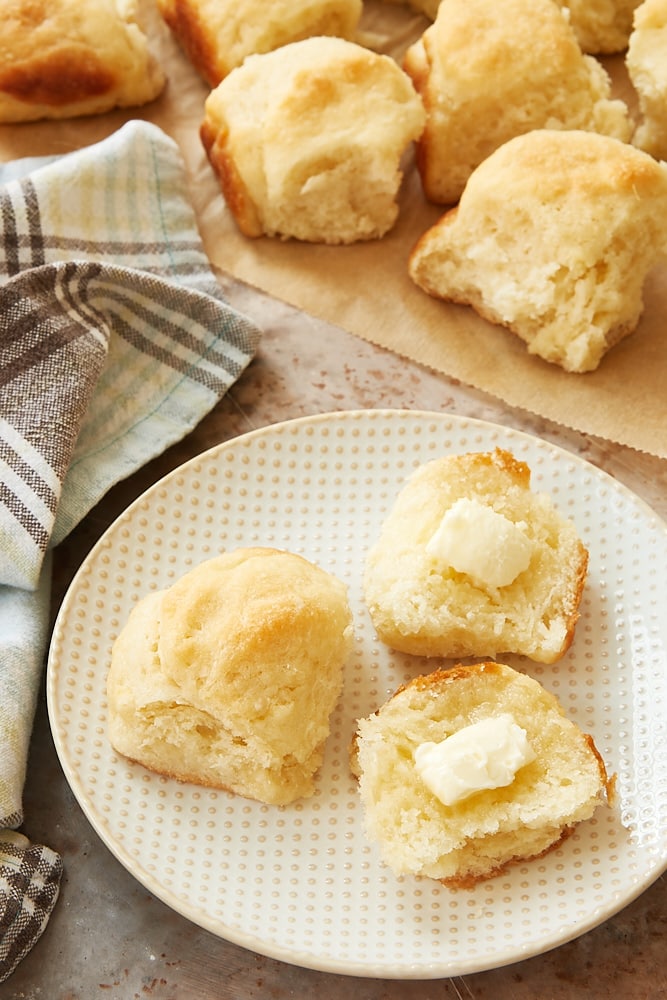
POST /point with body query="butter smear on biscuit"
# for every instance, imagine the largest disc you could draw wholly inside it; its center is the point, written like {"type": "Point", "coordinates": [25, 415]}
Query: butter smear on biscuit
{"type": "Point", "coordinates": [486, 754]}
{"type": "Point", "coordinates": [476, 540]}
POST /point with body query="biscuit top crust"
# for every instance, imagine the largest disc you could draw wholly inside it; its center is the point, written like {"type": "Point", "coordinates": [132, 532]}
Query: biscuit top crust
{"type": "Point", "coordinates": [57, 55]}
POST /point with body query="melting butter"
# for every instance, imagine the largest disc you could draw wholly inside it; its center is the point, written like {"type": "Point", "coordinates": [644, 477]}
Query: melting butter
{"type": "Point", "coordinates": [483, 755]}
{"type": "Point", "coordinates": [476, 540]}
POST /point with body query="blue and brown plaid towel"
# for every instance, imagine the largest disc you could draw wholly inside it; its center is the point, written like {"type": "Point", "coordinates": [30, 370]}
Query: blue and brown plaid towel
{"type": "Point", "coordinates": [115, 340]}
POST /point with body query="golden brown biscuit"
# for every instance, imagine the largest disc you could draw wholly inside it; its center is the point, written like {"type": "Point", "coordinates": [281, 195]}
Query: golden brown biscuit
{"type": "Point", "coordinates": [67, 58]}
{"type": "Point", "coordinates": [229, 677]}
{"type": "Point", "coordinates": [559, 782]}
{"type": "Point", "coordinates": [307, 141]}
{"type": "Point", "coordinates": [553, 239]}
{"type": "Point", "coordinates": [471, 562]}
{"type": "Point", "coordinates": [218, 35]}
{"type": "Point", "coordinates": [646, 61]}
{"type": "Point", "coordinates": [488, 72]}
{"type": "Point", "coordinates": [602, 27]}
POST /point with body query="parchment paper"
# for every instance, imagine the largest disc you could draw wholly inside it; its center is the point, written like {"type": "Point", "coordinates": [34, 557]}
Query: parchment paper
{"type": "Point", "coordinates": [365, 287]}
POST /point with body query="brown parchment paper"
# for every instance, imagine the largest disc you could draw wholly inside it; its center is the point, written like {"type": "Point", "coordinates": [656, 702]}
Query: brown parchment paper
{"type": "Point", "coordinates": [365, 287]}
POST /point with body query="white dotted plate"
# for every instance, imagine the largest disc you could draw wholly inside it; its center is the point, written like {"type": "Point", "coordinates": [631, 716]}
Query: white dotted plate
{"type": "Point", "coordinates": [300, 883]}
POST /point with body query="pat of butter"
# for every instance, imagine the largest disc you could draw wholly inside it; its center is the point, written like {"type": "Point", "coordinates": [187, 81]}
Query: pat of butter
{"type": "Point", "coordinates": [476, 540]}
{"type": "Point", "coordinates": [486, 754]}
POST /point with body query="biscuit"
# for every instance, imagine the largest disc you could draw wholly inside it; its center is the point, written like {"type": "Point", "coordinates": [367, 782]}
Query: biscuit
{"type": "Point", "coordinates": [602, 27]}
{"type": "Point", "coordinates": [488, 72]}
{"type": "Point", "coordinates": [553, 239]}
{"type": "Point", "coordinates": [516, 586]}
{"type": "Point", "coordinates": [67, 58]}
{"type": "Point", "coordinates": [646, 62]}
{"type": "Point", "coordinates": [217, 35]}
{"type": "Point", "coordinates": [559, 783]}
{"type": "Point", "coordinates": [307, 141]}
{"type": "Point", "coordinates": [229, 677]}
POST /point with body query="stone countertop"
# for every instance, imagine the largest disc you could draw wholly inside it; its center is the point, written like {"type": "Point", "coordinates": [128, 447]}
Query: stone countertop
{"type": "Point", "coordinates": [108, 936]}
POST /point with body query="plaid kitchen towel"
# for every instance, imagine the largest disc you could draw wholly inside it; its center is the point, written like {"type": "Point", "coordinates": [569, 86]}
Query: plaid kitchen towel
{"type": "Point", "coordinates": [29, 885]}
{"type": "Point", "coordinates": [115, 340]}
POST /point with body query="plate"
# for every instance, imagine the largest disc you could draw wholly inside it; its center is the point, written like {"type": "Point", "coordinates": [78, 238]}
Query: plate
{"type": "Point", "coordinates": [301, 883]}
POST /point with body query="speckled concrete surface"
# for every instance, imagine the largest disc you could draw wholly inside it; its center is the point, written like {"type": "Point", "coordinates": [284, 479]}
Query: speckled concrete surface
{"type": "Point", "coordinates": [108, 937]}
